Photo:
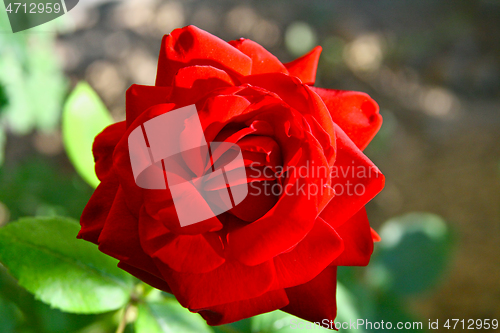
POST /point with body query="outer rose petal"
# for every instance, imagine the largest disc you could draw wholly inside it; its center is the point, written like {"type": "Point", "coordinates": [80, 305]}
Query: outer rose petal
{"type": "Point", "coordinates": [146, 277]}
{"type": "Point", "coordinates": [311, 256]}
{"type": "Point", "coordinates": [316, 299]}
{"type": "Point", "coordinates": [192, 46]}
{"type": "Point", "coordinates": [140, 98]}
{"type": "Point", "coordinates": [355, 112]}
{"type": "Point", "coordinates": [367, 177]}
{"type": "Point", "coordinates": [182, 253]}
{"type": "Point", "coordinates": [263, 61]}
{"type": "Point", "coordinates": [305, 67]}
{"type": "Point", "coordinates": [358, 242]}
{"type": "Point", "coordinates": [230, 282]}
{"type": "Point", "coordinates": [103, 147]}
{"type": "Point", "coordinates": [168, 217]}
{"type": "Point", "coordinates": [231, 312]}
{"type": "Point", "coordinates": [375, 236]}
{"type": "Point", "coordinates": [121, 159]}
{"type": "Point", "coordinates": [194, 81]}
{"type": "Point", "coordinates": [120, 228]}
{"type": "Point", "coordinates": [97, 209]}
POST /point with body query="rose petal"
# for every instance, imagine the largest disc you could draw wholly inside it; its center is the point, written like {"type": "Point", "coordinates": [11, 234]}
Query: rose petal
{"type": "Point", "coordinates": [121, 159]}
{"type": "Point", "coordinates": [257, 203]}
{"type": "Point", "coordinates": [120, 228]}
{"type": "Point", "coordinates": [218, 110]}
{"type": "Point", "coordinates": [146, 277]}
{"type": "Point", "coordinates": [297, 95]}
{"type": "Point", "coordinates": [316, 299]}
{"type": "Point", "coordinates": [263, 61]}
{"type": "Point", "coordinates": [182, 253]}
{"type": "Point", "coordinates": [103, 147]}
{"type": "Point", "coordinates": [140, 98]}
{"type": "Point", "coordinates": [375, 236]}
{"type": "Point", "coordinates": [305, 67]}
{"type": "Point", "coordinates": [289, 221]}
{"type": "Point", "coordinates": [230, 282]}
{"type": "Point", "coordinates": [193, 82]}
{"type": "Point", "coordinates": [355, 112]}
{"type": "Point", "coordinates": [192, 46]}
{"type": "Point", "coordinates": [310, 257]}
{"type": "Point", "coordinates": [97, 209]}
{"type": "Point", "coordinates": [262, 145]}
{"type": "Point", "coordinates": [324, 139]}
{"type": "Point", "coordinates": [165, 212]}
{"type": "Point", "coordinates": [356, 180]}
{"type": "Point", "coordinates": [231, 312]}
{"type": "Point", "coordinates": [358, 242]}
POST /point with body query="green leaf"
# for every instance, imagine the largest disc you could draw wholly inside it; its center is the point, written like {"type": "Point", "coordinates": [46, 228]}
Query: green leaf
{"type": "Point", "coordinates": [33, 80]}
{"type": "Point", "coordinates": [37, 185]}
{"type": "Point", "coordinates": [2, 144]}
{"type": "Point", "coordinates": [391, 309]}
{"type": "Point", "coordinates": [3, 98]}
{"type": "Point", "coordinates": [8, 317]}
{"type": "Point", "coordinates": [346, 310]}
{"type": "Point", "coordinates": [240, 326]}
{"type": "Point", "coordinates": [62, 271]}
{"type": "Point", "coordinates": [168, 316]}
{"type": "Point", "coordinates": [278, 321]}
{"type": "Point", "coordinates": [281, 322]}
{"type": "Point", "coordinates": [84, 116]}
{"type": "Point", "coordinates": [412, 255]}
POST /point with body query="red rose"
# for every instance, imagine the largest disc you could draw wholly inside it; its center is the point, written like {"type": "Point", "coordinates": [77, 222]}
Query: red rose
{"type": "Point", "coordinates": [277, 249]}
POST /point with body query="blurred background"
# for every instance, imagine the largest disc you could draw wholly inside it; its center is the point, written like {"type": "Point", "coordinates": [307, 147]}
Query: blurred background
{"type": "Point", "coordinates": [432, 65]}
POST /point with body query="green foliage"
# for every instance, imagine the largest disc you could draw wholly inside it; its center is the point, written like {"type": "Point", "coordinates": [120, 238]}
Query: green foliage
{"type": "Point", "coordinates": [72, 275]}
{"type": "Point", "coordinates": [84, 116]}
{"type": "Point", "coordinates": [69, 274]}
{"type": "Point", "coordinates": [410, 259]}
{"type": "Point", "coordinates": [38, 186]}
{"type": "Point", "coordinates": [282, 322]}
{"type": "Point", "coordinates": [3, 98]}
{"type": "Point", "coordinates": [346, 308]}
{"type": "Point", "coordinates": [389, 307]}
{"type": "Point", "coordinates": [168, 316]}
{"type": "Point", "coordinates": [33, 80]}
{"type": "Point", "coordinates": [413, 253]}
{"type": "Point", "coordinates": [3, 103]}
{"type": "Point", "coordinates": [241, 326]}
{"type": "Point", "coordinates": [2, 144]}
{"type": "Point", "coordinates": [8, 317]}
{"type": "Point", "coordinates": [29, 315]}
{"type": "Point", "coordinates": [52, 320]}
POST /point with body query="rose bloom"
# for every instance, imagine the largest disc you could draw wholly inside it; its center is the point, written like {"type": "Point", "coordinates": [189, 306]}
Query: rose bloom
{"type": "Point", "coordinates": [271, 251]}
